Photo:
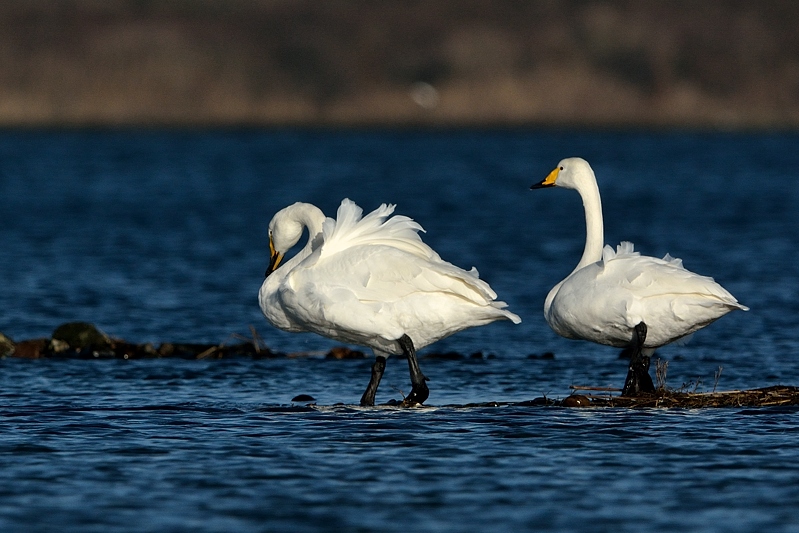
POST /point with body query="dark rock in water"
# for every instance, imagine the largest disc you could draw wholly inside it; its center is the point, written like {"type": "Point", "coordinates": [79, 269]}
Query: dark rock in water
{"type": "Point", "coordinates": [57, 346]}
{"type": "Point", "coordinates": [342, 352]}
{"type": "Point", "coordinates": [79, 335]}
{"type": "Point", "coordinates": [266, 353]}
{"type": "Point", "coordinates": [6, 346]}
{"type": "Point", "coordinates": [126, 350]}
{"type": "Point", "coordinates": [191, 350]}
{"type": "Point", "coordinates": [31, 349]}
{"type": "Point", "coordinates": [303, 398]}
{"type": "Point", "coordinates": [166, 349]}
{"type": "Point", "coordinates": [188, 350]}
{"type": "Point", "coordinates": [246, 349]}
{"type": "Point", "coordinates": [477, 355]}
{"type": "Point", "coordinates": [545, 355]}
{"type": "Point", "coordinates": [482, 404]}
{"type": "Point", "coordinates": [446, 356]}
{"type": "Point", "coordinates": [576, 400]}
{"type": "Point", "coordinates": [215, 351]}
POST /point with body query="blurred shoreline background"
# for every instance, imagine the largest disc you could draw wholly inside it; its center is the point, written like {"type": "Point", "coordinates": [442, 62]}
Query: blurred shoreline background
{"type": "Point", "coordinates": [716, 64]}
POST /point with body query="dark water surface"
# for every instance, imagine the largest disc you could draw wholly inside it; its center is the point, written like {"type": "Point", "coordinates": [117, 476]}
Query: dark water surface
{"type": "Point", "coordinates": [161, 236]}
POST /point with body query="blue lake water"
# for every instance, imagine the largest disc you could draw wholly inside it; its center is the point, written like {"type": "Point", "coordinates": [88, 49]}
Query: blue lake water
{"type": "Point", "coordinates": [161, 236]}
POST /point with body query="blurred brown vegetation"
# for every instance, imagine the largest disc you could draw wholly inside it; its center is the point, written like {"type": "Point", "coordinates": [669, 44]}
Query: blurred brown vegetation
{"type": "Point", "coordinates": [708, 63]}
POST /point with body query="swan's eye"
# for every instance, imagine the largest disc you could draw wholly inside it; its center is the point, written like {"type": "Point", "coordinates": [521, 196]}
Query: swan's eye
{"type": "Point", "coordinates": [561, 168]}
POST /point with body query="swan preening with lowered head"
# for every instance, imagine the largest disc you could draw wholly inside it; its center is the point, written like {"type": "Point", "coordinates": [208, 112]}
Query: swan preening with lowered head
{"type": "Point", "coordinates": [621, 298]}
{"type": "Point", "coordinates": [370, 281]}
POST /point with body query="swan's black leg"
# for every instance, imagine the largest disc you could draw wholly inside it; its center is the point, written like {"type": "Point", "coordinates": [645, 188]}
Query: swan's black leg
{"type": "Point", "coordinates": [638, 379]}
{"type": "Point", "coordinates": [378, 367]}
{"type": "Point", "coordinates": [419, 392]}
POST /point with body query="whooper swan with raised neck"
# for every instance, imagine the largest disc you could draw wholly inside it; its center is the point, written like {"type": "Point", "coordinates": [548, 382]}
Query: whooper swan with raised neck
{"type": "Point", "coordinates": [622, 298]}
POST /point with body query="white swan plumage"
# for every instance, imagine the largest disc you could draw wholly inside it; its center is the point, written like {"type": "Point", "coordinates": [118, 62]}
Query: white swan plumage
{"type": "Point", "coordinates": [370, 280]}
{"type": "Point", "coordinates": [612, 292]}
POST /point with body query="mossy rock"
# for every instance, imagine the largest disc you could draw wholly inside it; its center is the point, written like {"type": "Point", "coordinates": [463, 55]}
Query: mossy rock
{"type": "Point", "coordinates": [81, 335]}
{"type": "Point", "coordinates": [6, 346]}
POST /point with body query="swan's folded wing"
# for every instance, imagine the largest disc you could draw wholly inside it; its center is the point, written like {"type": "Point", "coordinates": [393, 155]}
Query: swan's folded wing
{"type": "Point", "coordinates": [386, 273]}
{"type": "Point", "coordinates": [376, 288]}
{"type": "Point", "coordinates": [650, 278]}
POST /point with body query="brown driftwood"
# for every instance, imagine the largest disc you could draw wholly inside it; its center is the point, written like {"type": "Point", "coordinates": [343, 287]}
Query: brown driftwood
{"type": "Point", "coordinates": [778, 395]}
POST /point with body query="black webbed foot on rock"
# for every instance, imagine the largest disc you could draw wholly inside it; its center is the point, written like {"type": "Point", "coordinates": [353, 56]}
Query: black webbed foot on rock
{"type": "Point", "coordinates": [638, 379]}
{"type": "Point", "coordinates": [420, 392]}
{"type": "Point", "coordinates": [418, 395]}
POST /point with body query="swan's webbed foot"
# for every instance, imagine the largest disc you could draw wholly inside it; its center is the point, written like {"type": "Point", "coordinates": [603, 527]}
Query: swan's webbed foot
{"type": "Point", "coordinates": [418, 395]}
{"type": "Point", "coordinates": [368, 398]}
{"type": "Point", "coordinates": [419, 392]}
{"type": "Point", "coordinates": [638, 379]}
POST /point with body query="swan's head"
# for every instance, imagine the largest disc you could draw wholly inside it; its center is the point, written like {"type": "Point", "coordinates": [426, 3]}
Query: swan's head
{"type": "Point", "coordinates": [571, 173]}
{"type": "Point", "coordinates": [286, 227]}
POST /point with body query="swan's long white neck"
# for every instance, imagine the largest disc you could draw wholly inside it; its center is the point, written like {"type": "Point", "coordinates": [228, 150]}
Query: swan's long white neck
{"type": "Point", "coordinates": [588, 189]}
{"type": "Point", "coordinates": [311, 218]}
{"type": "Point", "coordinates": [594, 225]}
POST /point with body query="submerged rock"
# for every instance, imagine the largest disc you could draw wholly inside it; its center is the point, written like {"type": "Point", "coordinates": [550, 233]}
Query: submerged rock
{"type": "Point", "coordinates": [342, 352]}
{"type": "Point", "coordinates": [536, 402]}
{"type": "Point", "coordinates": [126, 350]}
{"type": "Point", "coordinates": [187, 350]}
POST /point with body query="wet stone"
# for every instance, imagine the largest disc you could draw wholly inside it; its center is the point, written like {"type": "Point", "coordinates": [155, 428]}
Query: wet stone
{"type": "Point", "coordinates": [58, 346]}
{"type": "Point", "coordinates": [187, 350]}
{"type": "Point", "coordinates": [166, 349]}
{"type": "Point", "coordinates": [31, 349]}
{"type": "Point", "coordinates": [6, 346]}
{"type": "Point", "coordinates": [576, 400]}
{"type": "Point", "coordinates": [446, 356]}
{"type": "Point", "coordinates": [246, 349]}
{"type": "Point", "coordinates": [81, 335]}
{"type": "Point", "coordinates": [126, 350]}
{"type": "Point", "coordinates": [303, 398]}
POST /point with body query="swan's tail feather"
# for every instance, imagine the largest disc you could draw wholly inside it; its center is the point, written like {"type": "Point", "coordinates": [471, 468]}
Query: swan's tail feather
{"type": "Point", "coordinates": [501, 306]}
